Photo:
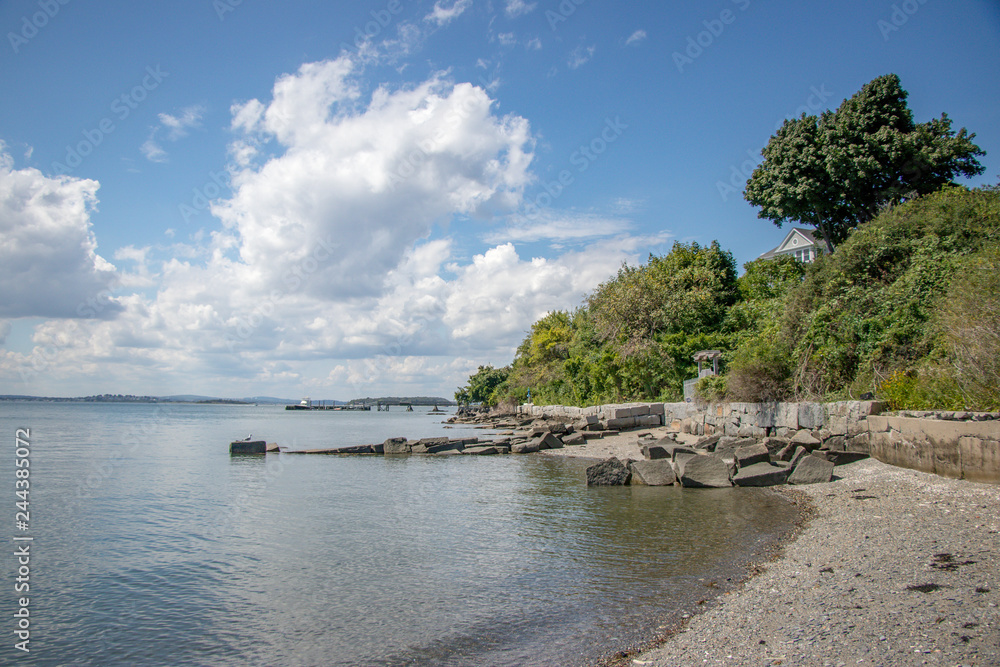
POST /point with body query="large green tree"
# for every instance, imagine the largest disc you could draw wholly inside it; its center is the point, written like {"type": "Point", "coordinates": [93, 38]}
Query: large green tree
{"type": "Point", "coordinates": [839, 170]}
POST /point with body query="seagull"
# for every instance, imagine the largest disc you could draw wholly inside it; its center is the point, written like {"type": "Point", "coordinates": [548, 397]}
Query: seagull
{"type": "Point", "coordinates": [249, 437]}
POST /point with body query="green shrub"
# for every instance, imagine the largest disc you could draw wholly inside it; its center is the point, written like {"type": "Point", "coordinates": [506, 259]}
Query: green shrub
{"type": "Point", "coordinates": [711, 388]}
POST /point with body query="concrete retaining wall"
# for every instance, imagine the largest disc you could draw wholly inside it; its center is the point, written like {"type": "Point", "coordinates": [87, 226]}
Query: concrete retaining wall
{"type": "Point", "coordinates": [963, 449]}
{"type": "Point", "coordinates": [953, 444]}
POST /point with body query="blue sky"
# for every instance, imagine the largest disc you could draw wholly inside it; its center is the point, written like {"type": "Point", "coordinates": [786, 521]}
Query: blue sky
{"type": "Point", "coordinates": [345, 199]}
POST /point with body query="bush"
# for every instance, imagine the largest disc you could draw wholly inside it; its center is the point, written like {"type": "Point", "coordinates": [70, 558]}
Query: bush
{"type": "Point", "coordinates": [711, 388]}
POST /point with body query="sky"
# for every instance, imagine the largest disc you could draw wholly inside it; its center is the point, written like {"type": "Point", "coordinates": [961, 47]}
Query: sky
{"type": "Point", "coordinates": [247, 198]}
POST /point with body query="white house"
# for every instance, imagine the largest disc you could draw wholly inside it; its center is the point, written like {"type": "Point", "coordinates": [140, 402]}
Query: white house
{"type": "Point", "coordinates": [799, 243]}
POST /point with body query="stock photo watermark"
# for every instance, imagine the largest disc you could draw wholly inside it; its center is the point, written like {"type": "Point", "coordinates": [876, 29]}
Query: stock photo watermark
{"type": "Point", "coordinates": [31, 25]}
{"type": "Point", "coordinates": [696, 44]}
{"type": "Point", "coordinates": [122, 107]}
{"type": "Point", "coordinates": [901, 13]}
{"type": "Point", "coordinates": [741, 173]}
{"type": "Point", "coordinates": [22, 540]}
{"type": "Point", "coordinates": [584, 156]}
{"type": "Point", "coordinates": [563, 11]}
{"type": "Point", "coordinates": [201, 199]}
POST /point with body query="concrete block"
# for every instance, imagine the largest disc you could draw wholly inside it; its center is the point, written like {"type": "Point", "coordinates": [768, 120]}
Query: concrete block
{"type": "Point", "coordinates": [811, 415]}
{"type": "Point", "coordinates": [787, 416]}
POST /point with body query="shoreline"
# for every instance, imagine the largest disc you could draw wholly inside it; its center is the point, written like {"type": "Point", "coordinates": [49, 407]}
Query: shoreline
{"type": "Point", "coordinates": [887, 566]}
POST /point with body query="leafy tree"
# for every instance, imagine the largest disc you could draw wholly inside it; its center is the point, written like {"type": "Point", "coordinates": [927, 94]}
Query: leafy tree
{"type": "Point", "coordinates": [483, 385]}
{"type": "Point", "coordinates": [838, 171]}
{"type": "Point", "coordinates": [685, 291]}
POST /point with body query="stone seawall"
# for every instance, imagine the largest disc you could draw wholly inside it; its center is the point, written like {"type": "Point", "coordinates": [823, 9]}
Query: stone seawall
{"type": "Point", "coordinates": [963, 445]}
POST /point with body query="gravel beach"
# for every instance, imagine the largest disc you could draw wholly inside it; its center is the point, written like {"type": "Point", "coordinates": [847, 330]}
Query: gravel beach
{"type": "Point", "coordinates": [894, 567]}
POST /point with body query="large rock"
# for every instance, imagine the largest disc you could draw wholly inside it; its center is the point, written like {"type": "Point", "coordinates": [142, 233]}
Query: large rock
{"type": "Point", "coordinates": [446, 446]}
{"type": "Point", "coordinates": [760, 474]}
{"type": "Point", "coordinates": [396, 446]}
{"type": "Point", "coordinates": [805, 438]}
{"type": "Point", "coordinates": [703, 471]}
{"type": "Point", "coordinates": [654, 452]}
{"type": "Point", "coordinates": [529, 447]}
{"type": "Point", "coordinates": [727, 446]}
{"type": "Point", "coordinates": [574, 439]}
{"type": "Point", "coordinates": [480, 450]}
{"type": "Point", "coordinates": [800, 451]}
{"type": "Point", "coordinates": [749, 455]}
{"type": "Point", "coordinates": [248, 447]}
{"type": "Point", "coordinates": [811, 470]}
{"type": "Point", "coordinates": [610, 472]}
{"type": "Point", "coordinates": [549, 441]}
{"type": "Point", "coordinates": [708, 443]}
{"type": "Point", "coordinates": [653, 473]}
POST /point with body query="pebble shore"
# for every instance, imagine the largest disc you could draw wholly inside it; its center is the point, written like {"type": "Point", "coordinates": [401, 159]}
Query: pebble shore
{"type": "Point", "coordinates": [894, 567]}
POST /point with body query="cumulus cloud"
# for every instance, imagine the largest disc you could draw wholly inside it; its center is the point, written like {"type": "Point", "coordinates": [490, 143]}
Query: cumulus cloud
{"type": "Point", "coordinates": [49, 266]}
{"type": "Point", "coordinates": [360, 183]}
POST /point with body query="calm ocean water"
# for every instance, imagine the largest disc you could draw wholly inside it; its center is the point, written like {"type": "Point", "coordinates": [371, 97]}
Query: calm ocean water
{"type": "Point", "coordinates": [152, 546]}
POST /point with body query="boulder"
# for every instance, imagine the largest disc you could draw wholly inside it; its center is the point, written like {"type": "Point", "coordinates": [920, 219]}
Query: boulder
{"type": "Point", "coordinates": [356, 449]}
{"type": "Point", "coordinates": [654, 452]}
{"type": "Point", "coordinates": [480, 450]}
{"type": "Point", "coordinates": [805, 438]}
{"type": "Point", "coordinates": [396, 446]}
{"type": "Point", "coordinates": [836, 443]}
{"type": "Point", "coordinates": [610, 472]}
{"type": "Point", "coordinates": [703, 471]}
{"type": "Point", "coordinates": [727, 445]}
{"type": "Point", "coordinates": [749, 455]}
{"type": "Point", "coordinates": [708, 443]}
{"type": "Point", "coordinates": [574, 439]}
{"type": "Point", "coordinates": [657, 472]}
{"type": "Point", "coordinates": [811, 470]}
{"type": "Point", "coordinates": [432, 442]}
{"type": "Point", "coordinates": [760, 474]}
{"type": "Point", "coordinates": [775, 446]}
{"type": "Point", "coordinates": [529, 447]}
{"type": "Point", "coordinates": [549, 441]}
{"type": "Point", "coordinates": [446, 446]}
{"type": "Point", "coordinates": [800, 451]}
{"type": "Point", "coordinates": [273, 447]}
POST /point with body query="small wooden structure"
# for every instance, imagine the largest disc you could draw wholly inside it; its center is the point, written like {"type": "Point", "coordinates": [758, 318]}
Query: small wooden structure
{"type": "Point", "coordinates": [705, 356]}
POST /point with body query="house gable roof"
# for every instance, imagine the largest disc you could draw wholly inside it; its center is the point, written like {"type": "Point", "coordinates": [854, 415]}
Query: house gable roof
{"type": "Point", "coordinates": [796, 238]}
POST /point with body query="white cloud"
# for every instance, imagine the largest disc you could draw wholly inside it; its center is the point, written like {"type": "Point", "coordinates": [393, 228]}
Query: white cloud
{"type": "Point", "coordinates": [580, 56]}
{"type": "Point", "coordinates": [559, 227]}
{"type": "Point", "coordinates": [174, 127]}
{"type": "Point", "coordinates": [49, 266]}
{"type": "Point", "coordinates": [515, 8]}
{"type": "Point", "coordinates": [360, 184]}
{"type": "Point", "coordinates": [442, 15]}
{"type": "Point", "coordinates": [636, 37]}
{"type": "Point", "coordinates": [534, 44]}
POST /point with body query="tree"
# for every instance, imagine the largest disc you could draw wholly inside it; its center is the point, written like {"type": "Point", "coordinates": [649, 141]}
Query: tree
{"type": "Point", "coordinates": [685, 291]}
{"type": "Point", "coordinates": [482, 386]}
{"type": "Point", "coordinates": [838, 171]}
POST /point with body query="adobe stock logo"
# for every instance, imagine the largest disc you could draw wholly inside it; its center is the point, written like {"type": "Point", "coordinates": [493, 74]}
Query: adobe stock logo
{"type": "Point", "coordinates": [31, 26]}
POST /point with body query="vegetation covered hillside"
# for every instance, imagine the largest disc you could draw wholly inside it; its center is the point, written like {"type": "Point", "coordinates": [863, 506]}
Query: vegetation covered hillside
{"type": "Point", "coordinates": [908, 308]}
